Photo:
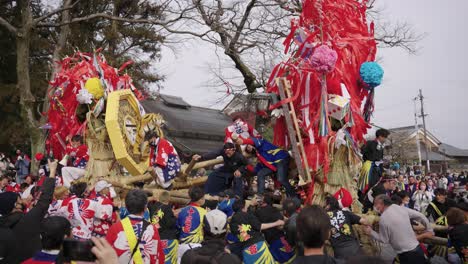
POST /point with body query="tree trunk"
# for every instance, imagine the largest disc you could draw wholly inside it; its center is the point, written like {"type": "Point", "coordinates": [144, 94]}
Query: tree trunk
{"type": "Point", "coordinates": [38, 142]}
{"type": "Point", "coordinates": [27, 100]}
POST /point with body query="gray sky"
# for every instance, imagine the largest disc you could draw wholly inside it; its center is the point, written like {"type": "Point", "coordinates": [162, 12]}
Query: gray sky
{"type": "Point", "coordinates": [438, 69]}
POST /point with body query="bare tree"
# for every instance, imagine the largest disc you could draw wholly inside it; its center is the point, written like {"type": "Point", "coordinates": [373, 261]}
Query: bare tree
{"type": "Point", "coordinates": [60, 18]}
{"type": "Point", "coordinates": [250, 34]}
{"type": "Point", "coordinates": [242, 30]}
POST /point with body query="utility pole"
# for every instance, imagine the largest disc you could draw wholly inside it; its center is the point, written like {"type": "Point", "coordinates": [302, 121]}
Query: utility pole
{"type": "Point", "coordinates": [416, 127]}
{"type": "Point", "coordinates": [423, 115]}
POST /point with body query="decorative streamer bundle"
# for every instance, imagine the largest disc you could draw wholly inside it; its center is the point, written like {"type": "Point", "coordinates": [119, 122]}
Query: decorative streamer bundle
{"type": "Point", "coordinates": [328, 44]}
{"type": "Point", "coordinates": [84, 79]}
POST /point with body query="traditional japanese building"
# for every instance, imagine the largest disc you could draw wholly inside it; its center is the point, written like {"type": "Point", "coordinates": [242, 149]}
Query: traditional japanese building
{"type": "Point", "coordinates": [192, 129]}
{"type": "Point", "coordinates": [404, 149]}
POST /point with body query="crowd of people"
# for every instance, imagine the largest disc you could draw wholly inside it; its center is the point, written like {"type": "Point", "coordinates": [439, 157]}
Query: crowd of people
{"type": "Point", "coordinates": [58, 218]}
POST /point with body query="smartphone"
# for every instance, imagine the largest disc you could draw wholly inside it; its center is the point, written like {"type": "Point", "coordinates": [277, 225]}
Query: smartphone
{"type": "Point", "coordinates": [78, 250]}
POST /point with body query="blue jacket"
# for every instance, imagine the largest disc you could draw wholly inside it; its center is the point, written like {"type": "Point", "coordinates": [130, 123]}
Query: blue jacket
{"type": "Point", "coordinates": [22, 167]}
{"type": "Point", "coordinates": [271, 153]}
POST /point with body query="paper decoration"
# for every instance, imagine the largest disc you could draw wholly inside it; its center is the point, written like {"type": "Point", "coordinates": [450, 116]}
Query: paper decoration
{"type": "Point", "coordinates": [338, 106]}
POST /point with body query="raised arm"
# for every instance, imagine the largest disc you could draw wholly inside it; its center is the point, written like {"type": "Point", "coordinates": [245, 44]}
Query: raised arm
{"type": "Point", "coordinates": [212, 155]}
{"type": "Point", "coordinates": [272, 225]}
{"type": "Point", "coordinates": [415, 215]}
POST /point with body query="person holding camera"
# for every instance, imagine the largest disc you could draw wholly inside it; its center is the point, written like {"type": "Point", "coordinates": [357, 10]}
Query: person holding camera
{"type": "Point", "coordinates": [134, 239]}
{"type": "Point", "coordinates": [54, 230]}
{"type": "Point", "coordinates": [24, 225]}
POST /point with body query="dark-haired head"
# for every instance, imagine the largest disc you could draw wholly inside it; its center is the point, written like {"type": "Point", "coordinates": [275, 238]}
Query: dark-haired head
{"type": "Point", "coordinates": [53, 231]}
{"type": "Point", "coordinates": [396, 199]}
{"type": "Point", "coordinates": [441, 195]}
{"type": "Point", "coordinates": [150, 135]}
{"type": "Point", "coordinates": [313, 225]}
{"type": "Point", "coordinates": [440, 191]}
{"type": "Point", "coordinates": [238, 205]}
{"type": "Point", "coordinates": [79, 189]}
{"type": "Point", "coordinates": [290, 206]}
{"type": "Point", "coordinates": [331, 203]}
{"type": "Point", "coordinates": [197, 194]}
{"type": "Point", "coordinates": [136, 201]}
{"type": "Point", "coordinates": [382, 133]}
{"type": "Point", "coordinates": [455, 216]}
{"type": "Point", "coordinates": [268, 198]}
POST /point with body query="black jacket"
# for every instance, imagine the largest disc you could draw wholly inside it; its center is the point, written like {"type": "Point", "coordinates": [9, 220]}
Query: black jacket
{"type": "Point", "coordinates": [231, 164]}
{"type": "Point", "coordinates": [6, 245]}
{"type": "Point", "coordinates": [370, 152]}
{"type": "Point", "coordinates": [26, 227]}
{"type": "Point", "coordinates": [270, 214]}
{"type": "Point", "coordinates": [211, 251]}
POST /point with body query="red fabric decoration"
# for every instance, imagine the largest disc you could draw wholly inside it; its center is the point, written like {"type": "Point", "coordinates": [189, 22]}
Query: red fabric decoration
{"type": "Point", "coordinates": [74, 71]}
{"type": "Point", "coordinates": [342, 25]}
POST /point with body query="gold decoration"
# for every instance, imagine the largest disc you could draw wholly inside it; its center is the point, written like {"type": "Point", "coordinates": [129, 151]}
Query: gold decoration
{"type": "Point", "coordinates": [123, 123]}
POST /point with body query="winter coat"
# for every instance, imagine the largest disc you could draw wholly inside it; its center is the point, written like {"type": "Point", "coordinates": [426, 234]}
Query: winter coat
{"type": "Point", "coordinates": [421, 200]}
{"type": "Point", "coordinates": [25, 227]}
{"type": "Point", "coordinates": [22, 166]}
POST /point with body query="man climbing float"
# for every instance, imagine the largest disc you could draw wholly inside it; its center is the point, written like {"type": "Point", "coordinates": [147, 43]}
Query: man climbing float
{"type": "Point", "coordinates": [372, 154]}
{"type": "Point", "coordinates": [270, 160]}
{"type": "Point", "coordinates": [232, 170]}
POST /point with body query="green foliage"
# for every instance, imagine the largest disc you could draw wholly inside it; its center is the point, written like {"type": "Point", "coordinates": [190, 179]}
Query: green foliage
{"type": "Point", "coordinates": [120, 41]}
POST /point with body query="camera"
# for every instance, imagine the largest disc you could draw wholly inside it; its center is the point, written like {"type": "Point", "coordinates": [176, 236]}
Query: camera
{"type": "Point", "coordinates": [78, 250]}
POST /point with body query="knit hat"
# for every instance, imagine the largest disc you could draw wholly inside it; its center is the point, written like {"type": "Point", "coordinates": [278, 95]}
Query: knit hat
{"type": "Point", "coordinates": [215, 222]}
{"type": "Point", "coordinates": [7, 202]}
{"type": "Point", "coordinates": [344, 198]}
{"type": "Point", "coordinates": [39, 156]}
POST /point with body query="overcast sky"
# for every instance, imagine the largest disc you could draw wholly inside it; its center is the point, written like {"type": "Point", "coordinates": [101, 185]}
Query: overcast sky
{"type": "Point", "coordinates": [439, 69]}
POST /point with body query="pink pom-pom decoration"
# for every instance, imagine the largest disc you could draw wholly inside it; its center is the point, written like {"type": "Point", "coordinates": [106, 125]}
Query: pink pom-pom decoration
{"type": "Point", "coordinates": [323, 59]}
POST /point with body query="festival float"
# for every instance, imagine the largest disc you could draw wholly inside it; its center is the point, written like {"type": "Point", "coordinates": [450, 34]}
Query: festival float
{"type": "Point", "coordinates": [325, 91]}
{"type": "Point", "coordinates": [327, 85]}
{"type": "Point", "coordinates": [93, 99]}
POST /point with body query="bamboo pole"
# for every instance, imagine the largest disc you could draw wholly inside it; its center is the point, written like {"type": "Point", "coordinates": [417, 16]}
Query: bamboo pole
{"type": "Point", "coordinates": [203, 164]}
{"type": "Point", "coordinates": [436, 241]}
{"type": "Point", "coordinates": [186, 168]}
{"type": "Point", "coordinates": [190, 182]}
{"type": "Point", "coordinates": [172, 199]}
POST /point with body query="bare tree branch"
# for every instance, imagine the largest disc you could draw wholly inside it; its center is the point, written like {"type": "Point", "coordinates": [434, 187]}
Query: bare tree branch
{"type": "Point", "coordinates": [239, 29]}
{"type": "Point", "coordinates": [54, 12]}
{"type": "Point", "coordinates": [8, 26]}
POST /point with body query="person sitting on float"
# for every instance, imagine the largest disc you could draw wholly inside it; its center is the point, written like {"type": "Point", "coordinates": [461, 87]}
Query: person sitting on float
{"type": "Point", "coordinates": [164, 159]}
{"type": "Point", "coordinates": [271, 160]}
{"type": "Point", "coordinates": [77, 157]}
{"type": "Point", "coordinates": [229, 174]}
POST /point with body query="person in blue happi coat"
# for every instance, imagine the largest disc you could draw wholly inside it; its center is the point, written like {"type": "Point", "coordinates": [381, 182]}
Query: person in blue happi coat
{"type": "Point", "coordinates": [271, 160]}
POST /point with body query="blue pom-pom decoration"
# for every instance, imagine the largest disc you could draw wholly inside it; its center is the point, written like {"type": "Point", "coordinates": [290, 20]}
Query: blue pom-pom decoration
{"type": "Point", "coordinates": [371, 74]}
